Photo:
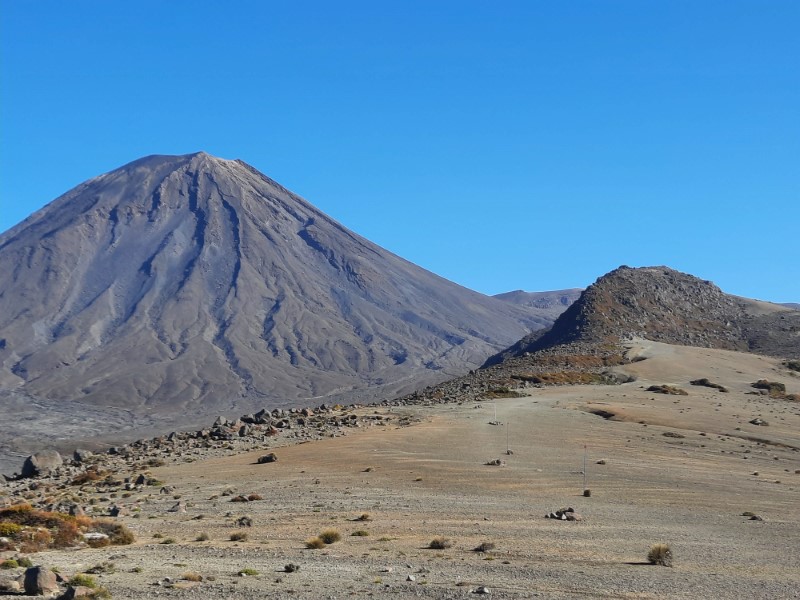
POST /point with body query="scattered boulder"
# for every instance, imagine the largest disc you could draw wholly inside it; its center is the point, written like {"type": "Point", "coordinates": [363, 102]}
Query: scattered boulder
{"type": "Point", "coordinates": [42, 463]}
{"type": "Point", "coordinates": [9, 587]}
{"type": "Point", "coordinates": [81, 456]}
{"type": "Point", "coordinates": [495, 463]}
{"type": "Point", "coordinates": [79, 592]}
{"type": "Point", "coordinates": [40, 581]}
{"type": "Point", "coordinates": [179, 506]}
{"type": "Point", "coordinates": [564, 514]}
{"type": "Point", "coordinates": [758, 421]}
{"type": "Point", "coordinates": [267, 458]}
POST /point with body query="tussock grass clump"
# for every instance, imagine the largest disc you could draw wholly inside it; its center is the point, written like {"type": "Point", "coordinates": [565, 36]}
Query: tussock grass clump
{"type": "Point", "coordinates": [248, 572]}
{"type": "Point", "coordinates": [660, 554]}
{"type": "Point", "coordinates": [203, 537]}
{"type": "Point", "coordinates": [774, 388]}
{"type": "Point", "coordinates": [168, 541]}
{"type": "Point", "coordinates": [88, 476]}
{"type": "Point", "coordinates": [239, 536]}
{"type": "Point", "coordinates": [329, 536]}
{"type": "Point", "coordinates": [9, 563]}
{"type": "Point", "coordinates": [364, 517]}
{"type": "Point", "coordinates": [82, 579]}
{"type": "Point", "coordinates": [440, 543]}
{"type": "Point", "coordinates": [792, 365]}
{"type": "Point", "coordinates": [315, 543]}
{"type": "Point", "coordinates": [118, 534]}
{"type": "Point", "coordinates": [10, 530]}
{"type": "Point", "coordinates": [103, 567]}
{"type": "Point", "coordinates": [360, 533]}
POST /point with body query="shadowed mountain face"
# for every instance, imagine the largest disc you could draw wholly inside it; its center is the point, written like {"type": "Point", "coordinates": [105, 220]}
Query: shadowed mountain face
{"type": "Point", "coordinates": [182, 283]}
{"type": "Point", "coordinates": [660, 304]}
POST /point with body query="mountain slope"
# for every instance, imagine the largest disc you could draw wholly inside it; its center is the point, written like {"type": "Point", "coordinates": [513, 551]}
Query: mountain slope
{"type": "Point", "coordinates": [554, 303]}
{"type": "Point", "coordinates": [190, 282]}
{"type": "Point", "coordinates": [661, 304]}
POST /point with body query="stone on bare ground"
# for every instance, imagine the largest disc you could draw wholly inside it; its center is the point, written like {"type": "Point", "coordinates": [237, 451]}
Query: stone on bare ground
{"type": "Point", "coordinates": [41, 463]}
{"type": "Point", "coordinates": [40, 581]}
{"type": "Point", "coordinates": [78, 593]}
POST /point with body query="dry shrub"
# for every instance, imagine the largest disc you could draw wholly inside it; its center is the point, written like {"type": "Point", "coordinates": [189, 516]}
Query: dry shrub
{"type": "Point", "coordinates": [81, 579]}
{"type": "Point", "coordinates": [66, 534]}
{"type": "Point", "coordinates": [118, 534]}
{"type": "Point", "coordinates": [191, 576]}
{"type": "Point", "coordinates": [315, 543]}
{"type": "Point", "coordinates": [87, 477]}
{"type": "Point", "coordinates": [9, 530]}
{"type": "Point", "coordinates": [440, 543]}
{"type": "Point", "coordinates": [484, 547]}
{"type": "Point", "coordinates": [35, 540]}
{"type": "Point", "coordinates": [239, 536]}
{"type": "Point", "coordinates": [329, 536]}
{"type": "Point", "coordinates": [660, 554]}
{"type": "Point", "coordinates": [98, 542]}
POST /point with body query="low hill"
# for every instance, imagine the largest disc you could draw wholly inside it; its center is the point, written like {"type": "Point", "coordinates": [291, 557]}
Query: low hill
{"type": "Point", "coordinates": [661, 304]}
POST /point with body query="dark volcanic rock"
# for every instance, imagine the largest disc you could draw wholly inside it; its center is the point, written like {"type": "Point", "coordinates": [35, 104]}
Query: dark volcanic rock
{"type": "Point", "coordinates": [40, 581]}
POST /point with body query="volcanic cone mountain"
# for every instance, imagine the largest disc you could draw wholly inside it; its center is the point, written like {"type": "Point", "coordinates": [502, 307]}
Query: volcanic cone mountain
{"type": "Point", "coordinates": [187, 285]}
{"type": "Point", "coordinates": [664, 305]}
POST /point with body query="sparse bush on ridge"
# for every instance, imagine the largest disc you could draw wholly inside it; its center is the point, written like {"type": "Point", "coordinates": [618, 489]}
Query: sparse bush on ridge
{"type": "Point", "coordinates": [440, 543]}
{"type": "Point", "coordinates": [315, 543]}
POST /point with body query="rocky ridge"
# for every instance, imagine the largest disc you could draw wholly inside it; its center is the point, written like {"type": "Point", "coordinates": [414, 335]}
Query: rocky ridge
{"type": "Point", "coordinates": [661, 304]}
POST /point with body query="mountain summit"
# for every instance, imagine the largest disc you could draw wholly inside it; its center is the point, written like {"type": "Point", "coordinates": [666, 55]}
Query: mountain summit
{"type": "Point", "coordinates": [192, 282]}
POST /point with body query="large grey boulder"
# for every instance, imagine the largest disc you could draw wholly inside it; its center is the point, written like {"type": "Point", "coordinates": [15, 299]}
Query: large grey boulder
{"type": "Point", "coordinates": [41, 463]}
{"type": "Point", "coordinates": [40, 581]}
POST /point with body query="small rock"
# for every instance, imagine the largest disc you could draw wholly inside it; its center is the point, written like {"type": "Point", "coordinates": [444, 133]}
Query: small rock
{"type": "Point", "coordinates": [411, 578]}
{"type": "Point", "coordinates": [267, 458]}
{"type": "Point", "coordinates": [481, 590]}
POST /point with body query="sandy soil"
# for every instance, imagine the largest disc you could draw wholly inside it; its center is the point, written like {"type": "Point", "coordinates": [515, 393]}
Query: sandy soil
{"type": "Point", "coordinates": [428, 480]}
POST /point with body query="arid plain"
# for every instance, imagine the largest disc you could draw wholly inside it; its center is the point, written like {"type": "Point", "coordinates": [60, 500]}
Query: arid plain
{"type": "Point", "coordinates": [680, 470]}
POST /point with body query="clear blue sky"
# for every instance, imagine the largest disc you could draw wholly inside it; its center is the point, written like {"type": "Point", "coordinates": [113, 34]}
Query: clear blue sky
{"type": "Point", "coordinates": [503, 145]}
